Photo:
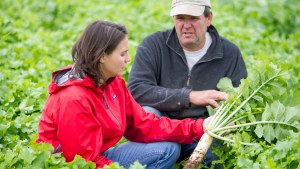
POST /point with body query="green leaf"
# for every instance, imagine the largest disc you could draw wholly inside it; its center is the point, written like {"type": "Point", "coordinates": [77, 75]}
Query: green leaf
{"type": "Point", "coordinates": [225, 85]}
{"type": "Point", "coordinates": [292, 114]}
{"type": "Point", "coordinates": [245, 163]}
{"type": "Point", "coordinates": [40, 159]}
{"type": "Point", "coordinates": [79, 163]}
{"type": "Point", "coordinates": [211, 111]}
{"type": "Point", "coordinates": [258, 98]}
{"type": "Point", "coordinates": [246, 137]}
{"type": "Point", "coordinates": [10, 157]}
{"type": "Point", "coordinates": [278, 111]}
{"type": "Point", "coordinates": [137, 165]}
{"type": "Point", "coordinates": [27, 155]}
{"type": "Point", "coordinates": [114, 165]}
{"type": "Point", "coordinates": [268, 133]}
{"type": "Point", "coordinates": [267, 94]}
{"type": "Point", "coordinates": [277, 88]}
{"type": "Point", "coordinates": [280, 132]}
{"type": "Point", "coordinates": [245, 89]}
{"type": "Point", "coordinates": [259, 131]}
{"type": "Point", "coordinates": [266, 115]}
{"type": "Point", "coordinates": [251, 117]}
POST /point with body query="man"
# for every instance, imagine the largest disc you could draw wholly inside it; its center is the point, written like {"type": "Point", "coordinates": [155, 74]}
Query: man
{"type": "Point", "coordinates": [175, 72]}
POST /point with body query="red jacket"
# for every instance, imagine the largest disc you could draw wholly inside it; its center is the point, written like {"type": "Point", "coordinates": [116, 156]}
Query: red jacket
{"type": "Point", "coordinates": [80, 118]}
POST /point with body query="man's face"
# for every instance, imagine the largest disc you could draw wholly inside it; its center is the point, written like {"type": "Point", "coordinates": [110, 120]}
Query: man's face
{"type": "Point", "coordinates": [191, 30]}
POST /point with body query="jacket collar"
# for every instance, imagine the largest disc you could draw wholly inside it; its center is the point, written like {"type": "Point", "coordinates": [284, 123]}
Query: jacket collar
{"type": "Point", "coordinates": [215, 51]}
{"type": "Point", "coordinates": [85, 81]}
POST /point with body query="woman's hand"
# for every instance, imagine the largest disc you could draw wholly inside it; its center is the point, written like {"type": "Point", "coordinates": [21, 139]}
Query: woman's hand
{"type": "Point", "coordinates": [206, 122]}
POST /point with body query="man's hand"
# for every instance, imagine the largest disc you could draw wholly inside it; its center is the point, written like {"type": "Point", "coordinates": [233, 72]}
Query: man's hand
{"type": "Point", "coordinates": [207, 97]}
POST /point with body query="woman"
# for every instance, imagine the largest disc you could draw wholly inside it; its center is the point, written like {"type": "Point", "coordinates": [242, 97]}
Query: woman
{"type": "Point", "coordinates": [90, 109]}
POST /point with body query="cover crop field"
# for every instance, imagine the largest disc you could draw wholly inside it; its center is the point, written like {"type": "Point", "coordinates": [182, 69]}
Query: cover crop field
{"type": "Point", "coordinates": [36, 37]}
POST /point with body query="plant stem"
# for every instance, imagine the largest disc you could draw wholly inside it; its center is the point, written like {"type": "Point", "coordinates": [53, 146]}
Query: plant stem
{"type": "Point", "coordinates": [250, 124]}
{"type": "Point", "coordinates": [225, 139]}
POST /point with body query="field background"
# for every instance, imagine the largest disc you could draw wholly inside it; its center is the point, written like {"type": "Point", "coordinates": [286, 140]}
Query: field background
{"type": "Point", "coordinates": [36, 37]}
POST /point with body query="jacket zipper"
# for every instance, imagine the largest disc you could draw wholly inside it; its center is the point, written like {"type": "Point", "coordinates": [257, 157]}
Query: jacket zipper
{"type": "Point", "coordinates": [107, 107]}
{"type": "Point", "coordinates": [188, 80]}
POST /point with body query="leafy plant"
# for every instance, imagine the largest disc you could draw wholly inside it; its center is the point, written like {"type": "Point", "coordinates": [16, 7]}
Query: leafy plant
{"type": "Point", "coordinates": [252, 113]}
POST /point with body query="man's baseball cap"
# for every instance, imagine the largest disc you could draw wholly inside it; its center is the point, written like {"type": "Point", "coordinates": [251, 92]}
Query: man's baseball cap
{"type": "Point", "coordinates": [189, 7]}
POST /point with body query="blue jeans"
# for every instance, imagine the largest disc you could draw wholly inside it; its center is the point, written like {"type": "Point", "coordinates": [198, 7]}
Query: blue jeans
{"type": "Point", "coordinates": [159, 155]}
{"type": "Point", "coordinates": [187, 149]}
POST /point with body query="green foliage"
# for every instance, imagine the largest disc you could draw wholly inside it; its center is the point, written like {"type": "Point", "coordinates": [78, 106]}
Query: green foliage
{"type": "Point", "coordinates": [270, 127]}
{"type": "Point", "coordinates": [256, 103]}
{"type": "Point", "coordinates": [283, 154]}
{"type": "Point", "coordinates": [36, 38]}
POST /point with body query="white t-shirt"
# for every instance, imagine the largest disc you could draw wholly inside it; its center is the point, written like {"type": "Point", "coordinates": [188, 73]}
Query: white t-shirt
{"type": "Point", "coordinates": [194, 56]}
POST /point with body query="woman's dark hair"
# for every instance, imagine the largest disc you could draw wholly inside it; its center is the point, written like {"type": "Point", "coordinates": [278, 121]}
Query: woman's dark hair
{"type": "Point", "coordinates": [99, 38]}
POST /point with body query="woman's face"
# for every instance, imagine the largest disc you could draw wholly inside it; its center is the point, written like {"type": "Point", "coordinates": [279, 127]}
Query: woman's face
{"type": "Point", "coordinates": [114, 64]}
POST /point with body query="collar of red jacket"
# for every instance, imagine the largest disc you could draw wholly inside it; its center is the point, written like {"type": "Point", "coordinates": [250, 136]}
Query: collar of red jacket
{"type": "Point", "coordinates": [85, 81]}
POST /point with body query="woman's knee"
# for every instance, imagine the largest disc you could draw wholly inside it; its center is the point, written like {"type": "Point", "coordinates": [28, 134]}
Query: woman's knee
{"type": "Point", "coordinates": [172, 149]}
{"type": "Point", "coordinates": [165, 156]}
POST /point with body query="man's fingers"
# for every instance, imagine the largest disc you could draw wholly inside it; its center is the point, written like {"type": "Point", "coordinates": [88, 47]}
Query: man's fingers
{"type": "Point", "coordinates": [213, 103]}
{"type": "Point", "coordinates": [207, 97]}
{"type": "Point", "coordinates": [220, 96]}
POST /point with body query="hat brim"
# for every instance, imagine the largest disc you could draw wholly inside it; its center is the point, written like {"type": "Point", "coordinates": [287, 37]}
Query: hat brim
{"type": "Point", "coordinates": [188, 9]}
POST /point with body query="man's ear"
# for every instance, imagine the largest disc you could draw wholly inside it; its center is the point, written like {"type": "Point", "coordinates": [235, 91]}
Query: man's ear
{"type": "Point", "coordinates": [209, 19]}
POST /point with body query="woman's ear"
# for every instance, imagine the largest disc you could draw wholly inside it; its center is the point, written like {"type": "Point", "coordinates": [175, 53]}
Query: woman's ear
{"type": "Point", "coordinates": [102, 58]}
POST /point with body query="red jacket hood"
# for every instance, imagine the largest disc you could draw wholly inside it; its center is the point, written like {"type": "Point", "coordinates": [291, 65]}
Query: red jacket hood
{"type": "Point", "coordinates": [63, 75]}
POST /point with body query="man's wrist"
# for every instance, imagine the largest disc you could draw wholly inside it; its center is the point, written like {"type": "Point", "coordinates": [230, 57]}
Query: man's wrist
{"type": "Point", "coordinates": [186, 98]}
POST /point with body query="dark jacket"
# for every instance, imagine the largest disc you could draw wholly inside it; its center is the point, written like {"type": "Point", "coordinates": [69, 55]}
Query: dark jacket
{"type": "Point", "coordinates": [160, 77]}
{"type": "Point", "coordinates": [80, 118]}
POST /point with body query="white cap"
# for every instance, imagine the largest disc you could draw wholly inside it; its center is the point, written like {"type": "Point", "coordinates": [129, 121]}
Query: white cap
{"type": "Point", "coordinates": [189, 7]}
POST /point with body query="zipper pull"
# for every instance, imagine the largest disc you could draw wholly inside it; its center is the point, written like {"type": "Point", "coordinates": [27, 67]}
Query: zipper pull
{"type": "Point", "coordinates": [188, 80]}
{"type": "Point", "coordinates": [104, 100]}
